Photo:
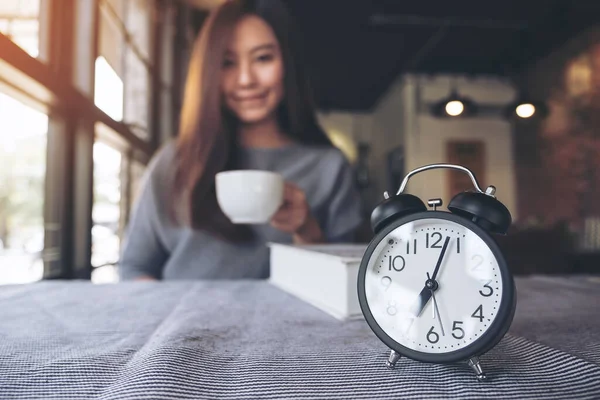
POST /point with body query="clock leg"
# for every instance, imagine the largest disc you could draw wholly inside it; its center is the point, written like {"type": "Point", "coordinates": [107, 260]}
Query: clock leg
{"type": "Point", "coordinates": [393, 359]}
{"type": "Point", "coordinates": [476, 367]}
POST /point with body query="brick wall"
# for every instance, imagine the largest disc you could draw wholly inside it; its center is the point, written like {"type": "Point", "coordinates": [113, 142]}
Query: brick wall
{"type": "Point", "coordinates": [558, 159]}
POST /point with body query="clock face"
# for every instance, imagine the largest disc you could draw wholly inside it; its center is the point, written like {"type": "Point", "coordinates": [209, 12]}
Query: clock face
{"type": "Point", "coordinates": [427, 309]}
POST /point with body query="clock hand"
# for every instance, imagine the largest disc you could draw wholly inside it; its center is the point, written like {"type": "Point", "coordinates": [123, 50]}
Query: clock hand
{"type": "Point", "coordinates": [437, 311]}
{"type": "Point", "coordinates": [440, 258]}
{"type": "Point", "coordinates": [417, 307]}
{"type": "Point", "coordinates": [430, 285]}
{"type": "Point", "coordinates": [433, 309]}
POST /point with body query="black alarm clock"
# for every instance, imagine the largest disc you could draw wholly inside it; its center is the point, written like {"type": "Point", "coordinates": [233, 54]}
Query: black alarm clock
{"type": "Point", "coordinates": [434, 285]}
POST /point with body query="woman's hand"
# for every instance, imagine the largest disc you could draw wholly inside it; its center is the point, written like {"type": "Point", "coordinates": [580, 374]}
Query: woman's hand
{"type": "Point", "coordinates": [294, 217]}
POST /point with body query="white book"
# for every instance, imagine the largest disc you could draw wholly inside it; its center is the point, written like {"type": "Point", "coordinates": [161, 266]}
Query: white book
{"type": "Point", "coordinates": [322, 275]}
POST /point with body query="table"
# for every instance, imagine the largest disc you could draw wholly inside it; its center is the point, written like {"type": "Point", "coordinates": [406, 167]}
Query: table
{"type": "Point", "coordinates": [248, 339]}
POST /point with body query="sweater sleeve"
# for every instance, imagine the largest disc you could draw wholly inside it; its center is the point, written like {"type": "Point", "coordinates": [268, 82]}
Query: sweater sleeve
{"type": "Point", "coordinates": [344, 202]}
{"type": "Point", "coordinates": [143, 253]}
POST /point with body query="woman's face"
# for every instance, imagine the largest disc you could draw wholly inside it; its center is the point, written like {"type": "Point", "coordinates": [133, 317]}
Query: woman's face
{"type": "Point", "coordinates": [252, 75]}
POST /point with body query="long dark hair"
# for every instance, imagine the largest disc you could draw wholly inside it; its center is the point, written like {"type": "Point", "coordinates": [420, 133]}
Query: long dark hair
{"type": "Point", "coordinates": [207, 140]}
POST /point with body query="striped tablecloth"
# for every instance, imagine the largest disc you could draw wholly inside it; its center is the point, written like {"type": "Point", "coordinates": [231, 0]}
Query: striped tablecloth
{"type": "Point", "coordinates": [247, 339]}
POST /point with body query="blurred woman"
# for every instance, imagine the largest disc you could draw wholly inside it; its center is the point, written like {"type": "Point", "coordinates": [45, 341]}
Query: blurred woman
{"type": "Point", "coordinates": [247, 105]}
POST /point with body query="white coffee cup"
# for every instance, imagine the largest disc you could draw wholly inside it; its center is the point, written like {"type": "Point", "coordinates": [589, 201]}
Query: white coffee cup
{"type": "Point", "coordinates": [249, 196]}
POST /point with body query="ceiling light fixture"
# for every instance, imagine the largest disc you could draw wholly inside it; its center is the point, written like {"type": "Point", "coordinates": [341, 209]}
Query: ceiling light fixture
{"type": "Point", "coordinates": [454, 105]}
{"type": "Point", "coordinates": [525, 108]}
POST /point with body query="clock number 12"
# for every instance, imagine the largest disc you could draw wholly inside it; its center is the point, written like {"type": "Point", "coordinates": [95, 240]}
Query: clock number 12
{"type": "Point", "coordinates": [433, 241]}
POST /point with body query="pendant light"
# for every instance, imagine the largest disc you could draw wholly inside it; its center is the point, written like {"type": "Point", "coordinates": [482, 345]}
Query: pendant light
{"type": "Point", "coordinates": [454, 106]}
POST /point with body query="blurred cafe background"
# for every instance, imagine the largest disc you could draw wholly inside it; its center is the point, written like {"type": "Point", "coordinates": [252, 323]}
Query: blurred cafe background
{"type": "Point", "coordinates": [90, 89]}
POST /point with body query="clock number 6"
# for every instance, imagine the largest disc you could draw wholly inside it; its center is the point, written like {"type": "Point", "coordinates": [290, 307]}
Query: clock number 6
{"type": "Point", "coordinates": [456, 327]}
{"type": "Point", "coordinates": [432, 337]}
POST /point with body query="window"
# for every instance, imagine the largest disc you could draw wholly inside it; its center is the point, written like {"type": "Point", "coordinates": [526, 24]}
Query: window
{"type": "Point", "coordinates": [125, 49]}
{"type": "Point", "coordinates": [108, 162]}
{"type": "Point", "coordinates": [137, 172]}
{"type": "Point", "coordinates": [137, 61]}
{"type": "Point", "coordinates": [19, 22]}
{"type": "Point", "coordinates": [166, 121]}
{"type": "Point", "coordinates": [117, 178]}
{"type": "Point", "coordinates": [106, 212]}
{"type": "Point", "coordinates": [22, 173]}
{"type": "Point", "coordinates": [108, 90]}
{"type": "Point", "coordinates": [137, 95]}
{"type": "Point", "coordinates": [52, 166]}
{"type": "Point", "coordinates": [138, 25]}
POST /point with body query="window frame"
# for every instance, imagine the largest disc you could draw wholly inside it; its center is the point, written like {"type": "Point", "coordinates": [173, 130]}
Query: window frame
{"type": "Point", "coordinates": [60, 81]}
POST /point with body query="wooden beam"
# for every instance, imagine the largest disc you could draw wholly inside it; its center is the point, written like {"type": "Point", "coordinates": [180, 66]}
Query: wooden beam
{"type": "Point", "coordinates": [157, 27]}
{"type": "Point", "coordinates": [36, 79]}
